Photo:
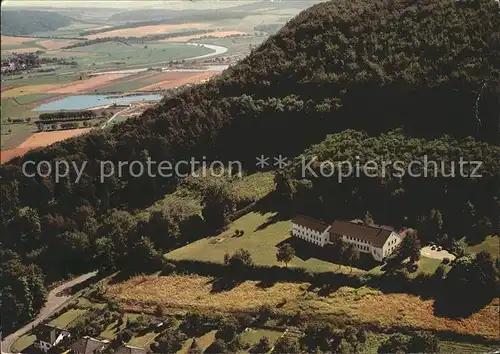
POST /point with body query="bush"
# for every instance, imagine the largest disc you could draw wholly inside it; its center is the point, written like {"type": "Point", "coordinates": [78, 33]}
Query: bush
{"type": "Point", "coordinates": [168, 268]}
{"type": "Point", "coordinates": [263, 346]}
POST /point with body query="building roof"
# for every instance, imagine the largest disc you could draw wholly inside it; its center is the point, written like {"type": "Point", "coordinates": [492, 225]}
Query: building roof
{"type": "Point", "coordinates": [88, 345]}
{"type": "Point", "coordinates": [128, 349]}
{"type": "Point", "coordinates": [309, 223]}
{"type": "Point", "coordinates": [49, 334]}
{"type": "Point", "coordinates": [376, 235]}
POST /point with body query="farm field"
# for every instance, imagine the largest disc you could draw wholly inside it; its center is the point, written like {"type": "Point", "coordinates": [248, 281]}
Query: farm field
{"type": "Point", "coordinates": [175, 79]}
{"type": "Point", "coordinates": [48, 138]}
{"type": "Point", "coordinates": [218, 34]}
{"type": "Point", "coordinates": [362, 305]}
{"type": "Point", "coordinates": [11, 41]}
{"type": "Point", "coordinates": [146, 30]}
{"type": "Point", "coordinates": [52, 44]}
{"type": "Point", "coordinates": [117, 55]}
{"type": "Point", "coordinates": [28, 99]}
{"type": "Point", "coordinates": [262, 235]}
{"type": "Point", "coordinates": [38, 79]}
{"type": "Point", "coordinates": [7, 155]}
{"type": "Point", "coordinates": [21, 50]}
{"type": "Point", "coordinates": [85, 85]}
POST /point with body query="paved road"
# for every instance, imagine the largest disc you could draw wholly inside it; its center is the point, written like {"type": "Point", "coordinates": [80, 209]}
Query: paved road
{"type": "Point", "coordinates": [55, 300]}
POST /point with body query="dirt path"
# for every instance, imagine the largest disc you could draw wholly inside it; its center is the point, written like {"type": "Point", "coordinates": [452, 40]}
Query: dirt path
{"type": "Point", "coordinates": [114, 116]}
{"type": "Point", "coordinates": [55, 299]}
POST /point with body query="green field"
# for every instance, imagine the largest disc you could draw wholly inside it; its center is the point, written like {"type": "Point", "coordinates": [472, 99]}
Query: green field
{"type": "Point", "coordinates": [23, 342]}
{"type": "Point", "coordinates": [119, 55]}
{"type": "Point", "coordinates": [28, 44]}
{"type": "Point", "coordinates": [128, 85]}
{"type": "Point", "coordinates": [490, 244]}
{"type": "Point", "coordinates": [263, 233]}
{"type": "Point", "coordinates": [143, 341]}
{"type": "Point", "coordinates": [203, 342]}
{"type": "Point", "coordinates": [65, 319]}
{"type": "Point", "coordinates": [460, 347]}
{"type": "Point", "coordinates": [252, 336]}
{"type": "Point", "coordinates": [42, 78]}
{"type": "Point", "coordinates": [12, 109]}
{"type": "Point", "coordinates": [27, 99]}
{"type": "Point", "coordinates": [113, 329]}
{"type": "Point", "coordinates": [15, 134]}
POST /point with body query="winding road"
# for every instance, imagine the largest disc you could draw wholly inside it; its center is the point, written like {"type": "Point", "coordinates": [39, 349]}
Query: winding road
{"type": "Point", "coordinates": [55, 300]}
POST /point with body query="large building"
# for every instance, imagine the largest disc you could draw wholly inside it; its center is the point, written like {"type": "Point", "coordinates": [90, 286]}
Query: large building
{"type": "Point", "coordinates": [378, 241]}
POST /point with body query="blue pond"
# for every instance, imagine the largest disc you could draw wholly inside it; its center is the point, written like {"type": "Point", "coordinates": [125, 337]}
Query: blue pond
{"type": "Point", "coordinates": [88, 101]}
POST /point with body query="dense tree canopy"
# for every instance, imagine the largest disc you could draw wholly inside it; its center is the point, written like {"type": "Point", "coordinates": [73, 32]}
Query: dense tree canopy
{"type": "Point", "coordinates": [428, 67]}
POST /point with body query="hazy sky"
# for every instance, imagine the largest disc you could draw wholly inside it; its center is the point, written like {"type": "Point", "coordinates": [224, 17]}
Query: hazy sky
{"type": "Point", "coordinates": [124, 4]}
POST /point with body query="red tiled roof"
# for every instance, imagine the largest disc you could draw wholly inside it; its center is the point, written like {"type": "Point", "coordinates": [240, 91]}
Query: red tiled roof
{"type": "Point", "coordinates": [309, 223]}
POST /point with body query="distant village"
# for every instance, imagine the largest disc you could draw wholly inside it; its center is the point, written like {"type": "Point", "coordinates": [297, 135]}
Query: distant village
{"type": "Point", "coordinates": [20, 62]}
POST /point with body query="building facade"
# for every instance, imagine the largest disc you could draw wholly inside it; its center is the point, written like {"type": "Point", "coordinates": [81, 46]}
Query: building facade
{"type": "Point", "coordinates": [378, 241]}
{"type": "Point", "coordinates": [48, 337]}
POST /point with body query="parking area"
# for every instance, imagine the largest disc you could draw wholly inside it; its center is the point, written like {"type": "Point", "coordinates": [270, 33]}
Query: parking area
{"type": "Point", "coordinates": [429, 252]}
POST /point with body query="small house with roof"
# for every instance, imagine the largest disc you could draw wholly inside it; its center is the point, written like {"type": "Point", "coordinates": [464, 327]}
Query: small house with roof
{"type": "Point", "coordinates": [49, 336]}
{"type": "Point", "coordinates": [89, 345]}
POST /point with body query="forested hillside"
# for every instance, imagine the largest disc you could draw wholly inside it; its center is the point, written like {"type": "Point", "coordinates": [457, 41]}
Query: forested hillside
{"type": "Point", "coordinates": [427, 67]}
{"type": "Point", "coordinates": [24, 22]}
{"type": "Point", "coordinates": [444, 208]}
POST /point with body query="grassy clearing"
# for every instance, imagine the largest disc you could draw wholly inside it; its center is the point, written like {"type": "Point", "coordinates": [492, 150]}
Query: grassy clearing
{"type": "Point", "coordinates": [263, 234]}
{"type": "Point", "coordinates": [190, 194]}
{"type": "Point", "coordinates": [84, 303]}
{"type": "Point", "coordinates": [361, 305]}
{"type": "Point", "coordinates": [490, 244]}
{"type": "Point", "coordinates": [113, 329]}
{"type": "Point", "coordinates": [203, 341]}
{"type": "Point", "coordinates": [23, 342]}
{"type": "Point", "coordinates": [64, 320]}
{"type": "Point", "coordinates": [254, 186]}
{"type": "Point", "coordinates": [428, 265]}
{"type": "Point", "coordinates": [118, 119]}
{"type": "Point", "coordinates": [144, 340]}
{"type": "Point", "coordinates": [253, 335]}
{"type": "Point", "coordinates": [455, 347]}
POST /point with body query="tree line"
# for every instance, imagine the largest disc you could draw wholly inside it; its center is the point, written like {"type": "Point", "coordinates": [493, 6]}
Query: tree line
{"type": "Point", "coordinates": [66, 115]}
